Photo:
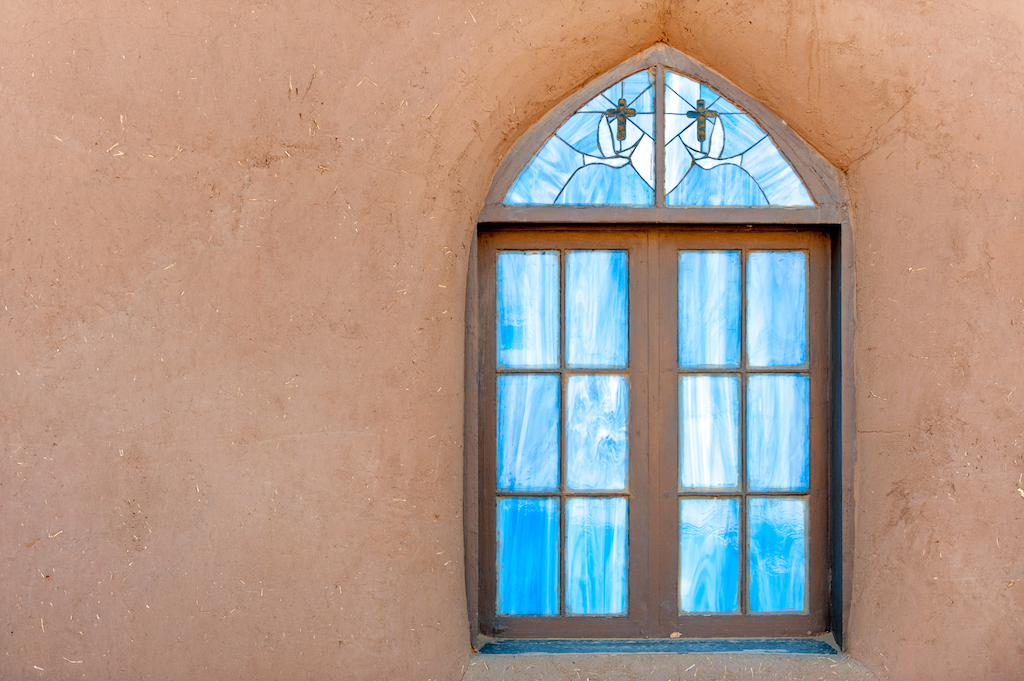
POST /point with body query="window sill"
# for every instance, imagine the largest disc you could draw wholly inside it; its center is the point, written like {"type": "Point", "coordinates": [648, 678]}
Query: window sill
{"type": "Point", "coordinates": [762, 659]}
{"type": "Point", "coordinates": [822, 645]}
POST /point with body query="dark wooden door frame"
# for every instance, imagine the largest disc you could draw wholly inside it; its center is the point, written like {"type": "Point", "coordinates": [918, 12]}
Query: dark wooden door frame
{"type": "Point", "coordinates": [830, 214]}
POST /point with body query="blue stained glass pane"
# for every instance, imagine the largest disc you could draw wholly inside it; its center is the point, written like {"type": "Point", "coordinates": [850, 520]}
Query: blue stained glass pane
{"type": "Point", "coordinates": [600, 104]}
{"type": "Point", "coordinates": [527, 558]}
{"type": "Point", "coordinates": [596, 309]}
{"type": "Point", "coordinates": [633, 89]}
{"type": "Point", "coordinates": [709, 431]}
{"type": "Point", "coordinates": [599, 184]}
{"type": "Point", "coordinates": [642, 161]}
{"type": "Point", "coordinates": [586, 163]}
{"type": "Point", "coordinates": [722, 185]}
{"type": "Point", "coordinates": [777, 553]}
{"type": "Point", "coordinates": [527, 292]}
{"type": "Point", "coordinates": [776, 177]}
{"type": "Point", "coordinates": [777, 308]}
{"type": "Point", "coordinates": [709, 308]}
{"type": "Point", "coordinates": [709, 555]}
{"type": "Point", "coordinates": [596, 453]}
{"type": "Point", "coordinates": [645, 122]}
{"type": "Point", "coordinates": [542, 180]}
{"type": "Point", "coordinates": [741, 134]}
{"type": "Point", "coordinates": [596, 564]}
{"type": "Point", "coordinates": [778, 432]}
{"type": "Point", "coordinates": [736, 164]}
{"type": "Point", "coordinates": [686, 89]}
{"type": "Point", "coordinates": [678, 162]}
{"type": "Point", "coordinates": [528, 432]}
{"type": "Point", "coordinates": [580, 131]}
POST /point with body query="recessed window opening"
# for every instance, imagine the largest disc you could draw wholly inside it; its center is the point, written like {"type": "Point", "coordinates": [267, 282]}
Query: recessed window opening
{"type": "Point", "coordinates": [657, 450]}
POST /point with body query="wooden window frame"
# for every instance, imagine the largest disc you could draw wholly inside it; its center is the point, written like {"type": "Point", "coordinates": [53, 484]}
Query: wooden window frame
{"type": "Point", "coordinates": [652, 488]}
{"type": "Point", "coordinates": [828, 218]}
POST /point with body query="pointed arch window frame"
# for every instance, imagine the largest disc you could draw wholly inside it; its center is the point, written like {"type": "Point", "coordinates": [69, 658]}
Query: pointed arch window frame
{"type": "Point", "coordinates": [820, 178]}
{"type": "Point", "coordinates": [826, 186]}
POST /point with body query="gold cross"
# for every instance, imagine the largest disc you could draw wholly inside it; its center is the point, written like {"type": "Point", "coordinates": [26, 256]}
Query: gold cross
{"type": "Point", "coordinates": [702, 115]}
{"type": "Point", "coordinates": [620, 113]}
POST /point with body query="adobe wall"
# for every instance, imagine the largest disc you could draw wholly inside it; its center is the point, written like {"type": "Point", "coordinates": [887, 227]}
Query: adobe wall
{"type": "Point", "coordinates": [234, 246]}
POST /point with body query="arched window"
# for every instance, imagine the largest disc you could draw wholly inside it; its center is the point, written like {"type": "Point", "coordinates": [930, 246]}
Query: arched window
{"type": "Point", "coordinates": [658, 428]}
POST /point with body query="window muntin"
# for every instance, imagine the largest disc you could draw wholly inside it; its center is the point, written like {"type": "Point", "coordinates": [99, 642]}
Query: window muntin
{"type": "Point", "coordinates": [725, 518]}
{"type": "Point", "coordinates": [584, 561]}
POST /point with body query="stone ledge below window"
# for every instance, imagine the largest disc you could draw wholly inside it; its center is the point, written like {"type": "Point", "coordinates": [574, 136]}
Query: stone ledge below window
{"type": "Point", "coordinates": [577, 665]}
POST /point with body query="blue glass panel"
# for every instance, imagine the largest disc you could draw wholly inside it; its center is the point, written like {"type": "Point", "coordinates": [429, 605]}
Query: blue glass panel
{"type": "Point", "coordinates": [777, 308]}
{"type": "Point", "coordinates": [678, 162]}
{"type": "Point", "coordinates": [580, 132]}
{"type": "Point", "coordinates": [631, 89]}
{"type": "Point", "coordinates": [599, 184]}
{"type": "Point", "coordinates": [527, 559]}
{"type": "Point", "coordinates": [528, 309]}
{"type": "Point", "coordinates": [709, 555]}
{"type": "Point", "coordinates": [709, 431]}
{"type": "Point", "coordinates": [599, 104]}
{"type": "Point", "coordinates": [722, 185]}
{"type": "Point", "coordinates": [540, 182]}
{"type": "Point", "coordinates": [736, 163]}
{"type": "Point", "coordinates": [596, 452]}
{"type": "Point", "coordinates": [778, 432]}
{"type": "Point", "coordinates": [596, 540]}
{"type": "Point", "coordinates": [528, 432]}
{"type": "Point", "coordinates": [741, 134]}
{"type": "Point", "coordinates": [586, 162]}
{"type": "Point", "coordinates": [776, 177]}
{"type": "Point", "coordinates": [596, 309]}
{"type": "Point", "coordinates": [686, 89]}
{"type": "Point", "coordinates": [642, 161]}
{"type": "Point", "coordinates": [709, 308]}
{"type": "Point", "coordinates": [777, 553]}
{"type": "Point", "coordinates": [645, 122]}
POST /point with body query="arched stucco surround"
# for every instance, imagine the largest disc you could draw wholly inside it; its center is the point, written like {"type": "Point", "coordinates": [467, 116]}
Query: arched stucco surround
{"type": "Point", "coordinates": [826, 186]}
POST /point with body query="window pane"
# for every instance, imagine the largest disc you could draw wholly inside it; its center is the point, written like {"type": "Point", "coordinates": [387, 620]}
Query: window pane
{"type": "Point", "coordinates": [596, 448]}
{"type": "Point", "coordinates": [709, 555]}
{"type": "Point", "coordinates": [528, 432]}
{"type": "Point", "coordinates": [716, 155]}
{"type": "Point", "coordinates": [777, 527]}
{"type": "Point", "coordinates": [777, 308]}
{"type": "Point", "coordinates": [597, 308]}
{"type": "Point", "coordinates": [596, 533]}
{"type": "Point", "coordinates": [778, 432]}
{"type": "Point", "coordinates": [709, 425]}
{"type": "Point", "coordinates": [528, 309]}
{"type": "Point", "coordinates": [709, 308]}
{"type": "Point", "coordinates": [602, 155]}
{"type": "Point", "coordinates": [528, 556]}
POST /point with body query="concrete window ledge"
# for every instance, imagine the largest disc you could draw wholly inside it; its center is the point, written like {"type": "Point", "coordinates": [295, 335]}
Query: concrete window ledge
{"type": "Point", "coordinates": [665, 664]}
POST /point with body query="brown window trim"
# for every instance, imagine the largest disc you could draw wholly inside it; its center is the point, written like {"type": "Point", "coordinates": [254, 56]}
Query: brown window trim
{"type": "Point", "coordinates": [830, 213]}
{"type": "Point", "coordinates": [653, 542]}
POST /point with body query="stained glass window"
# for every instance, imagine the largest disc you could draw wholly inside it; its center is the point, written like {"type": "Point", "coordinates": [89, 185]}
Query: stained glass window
{"type": "Point", "coordinates": [603, 155]}
{"type": "Point", "coordinates": [714, 153]}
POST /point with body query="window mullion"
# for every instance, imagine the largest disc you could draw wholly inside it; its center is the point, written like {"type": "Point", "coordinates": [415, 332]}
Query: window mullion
{"type": "Point", "coordinates": [659, 137]}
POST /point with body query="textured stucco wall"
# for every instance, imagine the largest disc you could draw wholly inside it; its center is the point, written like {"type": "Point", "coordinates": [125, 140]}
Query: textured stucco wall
{"type": "Point", "coordinates": [234, 244]}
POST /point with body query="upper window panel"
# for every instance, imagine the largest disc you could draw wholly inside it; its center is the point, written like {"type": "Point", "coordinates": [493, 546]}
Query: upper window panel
{"type": "Point", "coordinates": [602, 156]}
{"type": "Point", "coordinates": [714, 154]}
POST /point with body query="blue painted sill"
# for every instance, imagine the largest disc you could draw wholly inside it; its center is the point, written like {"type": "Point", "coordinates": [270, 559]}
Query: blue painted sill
{"type": "Point", "coordinates": [823, 645]}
